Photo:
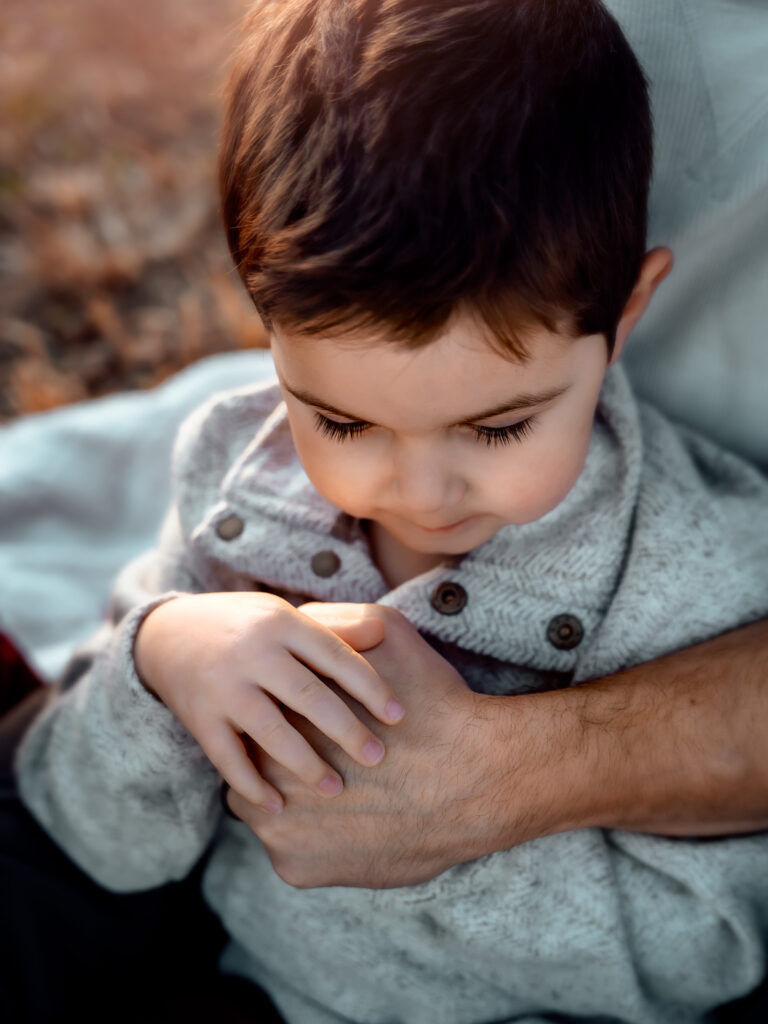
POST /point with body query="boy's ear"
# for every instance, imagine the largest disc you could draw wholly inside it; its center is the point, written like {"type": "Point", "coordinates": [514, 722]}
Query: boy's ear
{"type": "Point", "coordinates": [656, 265]}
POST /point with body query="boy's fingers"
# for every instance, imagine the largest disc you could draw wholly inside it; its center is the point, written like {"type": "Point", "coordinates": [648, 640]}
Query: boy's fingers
{"type": "Point", "coordinates": [353, 623]}
{"type": "Point", "coordinates": [328, 654]}
{"type": "Point", "coordinates": [300, 689]}
{"type": "Point", "coordinates": [264, 723]}
{"type": "Point", "coordinates": [227, 754]}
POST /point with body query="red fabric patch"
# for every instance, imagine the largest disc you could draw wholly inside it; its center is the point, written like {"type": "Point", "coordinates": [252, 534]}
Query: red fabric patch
{"type": "Point", "coordinates": [17, 677]}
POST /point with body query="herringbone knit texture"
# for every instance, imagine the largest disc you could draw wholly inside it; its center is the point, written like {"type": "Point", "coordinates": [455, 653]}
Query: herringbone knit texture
{"type": "Point", "coordinates": [660, 543]}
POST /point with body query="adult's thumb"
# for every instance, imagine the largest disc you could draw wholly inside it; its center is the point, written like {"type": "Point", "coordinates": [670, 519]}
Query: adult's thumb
{"type": "Point", "coordinates": [352, 623]}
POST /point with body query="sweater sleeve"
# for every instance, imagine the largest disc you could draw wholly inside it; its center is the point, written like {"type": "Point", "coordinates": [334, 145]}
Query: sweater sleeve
{"type": "Point", "coordinates": [107, 769]}
{"type": "Point", "coordinates": [114, 777]}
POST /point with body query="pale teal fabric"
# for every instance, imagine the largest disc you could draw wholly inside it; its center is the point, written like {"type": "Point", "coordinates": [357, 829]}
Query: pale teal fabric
{"type": "Point", "coordinates": [82, 490]}
{"type": "Point", "coordinates": [701, 351]}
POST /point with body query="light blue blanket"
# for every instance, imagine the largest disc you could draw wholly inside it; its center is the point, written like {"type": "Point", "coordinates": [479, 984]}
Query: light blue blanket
{"type": "Point", "coordinates": [82, 490]}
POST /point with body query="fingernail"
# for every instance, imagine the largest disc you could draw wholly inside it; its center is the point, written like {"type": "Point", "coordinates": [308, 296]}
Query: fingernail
{"type": "Point", "coordinates": [273, 806]}
{"type": "Point", "coordinates": [373, 751]}
{"type": "Point", "coordinates": [394, 711]}
{"type": "Point", "coordinates": [331, 785]}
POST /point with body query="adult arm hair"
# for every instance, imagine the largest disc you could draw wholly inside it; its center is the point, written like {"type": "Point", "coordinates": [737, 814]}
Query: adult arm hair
{"type": "Point", "coordinates": [675, 746]}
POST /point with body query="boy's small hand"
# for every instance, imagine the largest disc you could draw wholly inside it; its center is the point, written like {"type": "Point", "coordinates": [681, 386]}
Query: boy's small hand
{"type": "Point", "coordinates": [426, 807]}
{"type": "Point", "coordinates": [225, 663]}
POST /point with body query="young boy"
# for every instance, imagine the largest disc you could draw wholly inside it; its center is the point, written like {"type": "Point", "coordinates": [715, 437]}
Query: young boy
{"type": "Point", "coordinates": [440, 212]}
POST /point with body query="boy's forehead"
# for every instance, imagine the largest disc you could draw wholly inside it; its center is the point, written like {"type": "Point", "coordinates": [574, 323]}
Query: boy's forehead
{"type": "Point", "coordinates": [456, 378]}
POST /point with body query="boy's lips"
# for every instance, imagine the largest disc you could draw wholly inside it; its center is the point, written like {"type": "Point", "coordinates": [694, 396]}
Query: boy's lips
{"type": "Point", "coordinates": [444, 529]}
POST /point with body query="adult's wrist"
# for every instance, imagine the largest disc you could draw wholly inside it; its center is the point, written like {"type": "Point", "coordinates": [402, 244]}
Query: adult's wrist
{"type": "Point", "coordinates": [683, 748]}
{"type": "Point", "coordinates": [538, 777]}
{"type": "Point", "coordinates": [675, 746]}
{"type": "Point", "coordinates": [575, 758]}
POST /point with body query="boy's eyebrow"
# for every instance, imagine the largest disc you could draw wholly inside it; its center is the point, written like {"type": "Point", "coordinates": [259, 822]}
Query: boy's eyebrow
{"type": "Point", "coordinates": [522, 401]}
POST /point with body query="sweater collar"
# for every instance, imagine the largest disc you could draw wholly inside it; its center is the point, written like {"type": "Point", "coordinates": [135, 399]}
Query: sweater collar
{"type": "Point", "coordinates": [567, 562]}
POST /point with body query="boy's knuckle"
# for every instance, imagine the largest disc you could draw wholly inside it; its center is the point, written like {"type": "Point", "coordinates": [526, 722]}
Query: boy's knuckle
{"type": "Point", "coordinates": [268, 730]}
{"type": "Point", "coordinates": [338, 649]}
{"type": "Point", "coordinates": [308, 691]}
{"type": "Point", "coordinates": [271, 609]}
{"type": "Point", "coordinates": [271, 601]}
{"type": "Point", "coordinates": [281, 617]}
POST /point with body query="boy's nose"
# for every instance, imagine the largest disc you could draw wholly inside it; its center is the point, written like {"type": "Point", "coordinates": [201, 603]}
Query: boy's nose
{"type": "Point", "coordinates": [425, 487]}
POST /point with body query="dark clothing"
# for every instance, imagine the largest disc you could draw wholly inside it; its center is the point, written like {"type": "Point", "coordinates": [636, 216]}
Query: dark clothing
{"type": "Point", "coordinates": [70, 950]}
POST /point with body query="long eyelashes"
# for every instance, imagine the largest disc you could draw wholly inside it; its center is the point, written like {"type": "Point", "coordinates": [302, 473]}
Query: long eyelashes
{"type": "Point", "coordinates": [338, 431]}
{"type": "Point", "coordinates": [505, 435]}
{"type": "Point", "coordinates": [493, 436]}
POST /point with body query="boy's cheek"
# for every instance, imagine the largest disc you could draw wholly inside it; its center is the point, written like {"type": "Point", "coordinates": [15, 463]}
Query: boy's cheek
{"type": "Point", "coordinates": [342, 479]}
{"type": "Point", "coordinates": [538, 487]}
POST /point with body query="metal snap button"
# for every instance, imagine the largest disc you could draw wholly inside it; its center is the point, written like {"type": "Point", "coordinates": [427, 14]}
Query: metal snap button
{"type": "Point", "coordinates": [565, 632]}
{"type": "Point", "coordinates": [448, 598]}
{"type": "Point", "coordinates": [230, 527]}
{"type": "Point", "coordinates": [325, 563]}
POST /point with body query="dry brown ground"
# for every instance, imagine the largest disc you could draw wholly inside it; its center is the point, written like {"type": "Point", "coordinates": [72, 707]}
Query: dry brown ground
{"type": "Point", "coordinates": [114, 272]}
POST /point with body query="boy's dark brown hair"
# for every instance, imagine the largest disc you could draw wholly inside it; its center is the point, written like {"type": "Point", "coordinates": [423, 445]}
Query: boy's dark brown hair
{"type": "Point", "coordinates": [385, 164]}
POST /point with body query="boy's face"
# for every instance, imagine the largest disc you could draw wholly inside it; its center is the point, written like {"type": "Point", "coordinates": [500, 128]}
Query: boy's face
{"type": "Point", "coordinates": [410, 441]}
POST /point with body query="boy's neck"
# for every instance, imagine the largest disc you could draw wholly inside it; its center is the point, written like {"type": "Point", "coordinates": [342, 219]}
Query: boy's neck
{"type": "Point", "coordinates": [396, 563]}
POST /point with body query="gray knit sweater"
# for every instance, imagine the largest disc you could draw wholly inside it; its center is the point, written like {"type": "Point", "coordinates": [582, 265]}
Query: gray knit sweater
{"type": "Point", "coordinates": [661, 543]}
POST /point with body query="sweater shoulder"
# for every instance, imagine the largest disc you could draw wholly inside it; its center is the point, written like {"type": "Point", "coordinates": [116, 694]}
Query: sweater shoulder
{"type": "Point", "coordinates": [215, 435]}
{"type": "Point", "coordinates": [695, 560]}
{"type": "Point", "coordinates": [701, 478]}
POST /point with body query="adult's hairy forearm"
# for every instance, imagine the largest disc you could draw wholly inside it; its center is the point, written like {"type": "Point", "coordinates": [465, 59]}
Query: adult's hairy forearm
{"type": "Point", "coordinates": [675, 746]}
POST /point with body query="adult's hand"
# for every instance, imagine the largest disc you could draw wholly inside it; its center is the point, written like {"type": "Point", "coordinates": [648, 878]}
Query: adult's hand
{"type": "Point", "coordinates": [675, 746]}
{"type": "Point", "coordinates": [416, 813]}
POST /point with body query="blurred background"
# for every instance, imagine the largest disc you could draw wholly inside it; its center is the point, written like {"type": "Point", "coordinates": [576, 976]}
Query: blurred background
{"type": "Point", "coordinates": [114, 271]}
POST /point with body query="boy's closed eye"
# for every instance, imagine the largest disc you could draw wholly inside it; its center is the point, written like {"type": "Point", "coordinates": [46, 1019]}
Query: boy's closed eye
{"type": "Point", "coordinates": [493, 436]}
